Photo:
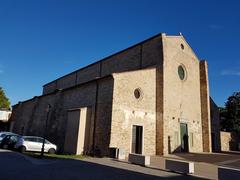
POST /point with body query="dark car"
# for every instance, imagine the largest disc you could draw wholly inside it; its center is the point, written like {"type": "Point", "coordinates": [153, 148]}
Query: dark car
{"type": "Point", "coordinates": [9, 141]}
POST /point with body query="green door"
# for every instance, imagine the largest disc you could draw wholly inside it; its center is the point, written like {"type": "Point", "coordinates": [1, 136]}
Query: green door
{"type": "Point", "coordinates": [184, 137]}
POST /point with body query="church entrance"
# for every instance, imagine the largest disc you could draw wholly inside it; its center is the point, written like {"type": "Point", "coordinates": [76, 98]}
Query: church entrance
{"type": "Point", "coordinates": [137, 132]}
{"type": "Point", "coordinates": [184, 137]}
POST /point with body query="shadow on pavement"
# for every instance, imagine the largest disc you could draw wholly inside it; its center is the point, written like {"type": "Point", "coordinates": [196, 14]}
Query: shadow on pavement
{"type": "Point", "coordinates": [15, 166]}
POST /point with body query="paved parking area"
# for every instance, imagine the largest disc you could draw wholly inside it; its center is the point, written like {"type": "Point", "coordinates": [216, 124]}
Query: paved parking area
{"type": "Point", "coordinates": [222, 159]}
{"type": "Point", "coordinates": [205, 164]}
{"type": "Point", "coordinates": [16, 166]}
{"type": "Point", "coordinates": [235, 164]}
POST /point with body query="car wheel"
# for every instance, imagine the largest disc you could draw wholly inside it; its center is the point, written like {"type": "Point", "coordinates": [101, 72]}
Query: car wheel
{"type": "Point", "coordinates": [51, 151]}
{"type": "Point", "coordinates": [22, 149]}
{"type": "Point", "coordinates": [5, 146]}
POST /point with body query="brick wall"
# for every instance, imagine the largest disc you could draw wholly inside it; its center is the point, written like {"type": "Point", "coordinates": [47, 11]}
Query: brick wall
{"type": "Point", "coordinates": [32, 114]}
{"type": "Point", "coordinates": [127, 110]}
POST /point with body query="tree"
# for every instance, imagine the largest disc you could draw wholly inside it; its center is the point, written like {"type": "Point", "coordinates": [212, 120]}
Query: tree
{"type": "Point", "coordinates": [4, 101]}
{"type": "Point", "coordinates": [230, 115]}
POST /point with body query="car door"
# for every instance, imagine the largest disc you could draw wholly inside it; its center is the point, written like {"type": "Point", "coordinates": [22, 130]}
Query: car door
{"type": "Point", "coordinates": [13, 141]}
{"type": "Point", "coordinates": [31, 144]}
{"type": "Point", "coordinates": [39, 144]}
{"type": "Point", "coordinates": [5, 142]}
{"type": "Point", "coordinates": [47, 146]}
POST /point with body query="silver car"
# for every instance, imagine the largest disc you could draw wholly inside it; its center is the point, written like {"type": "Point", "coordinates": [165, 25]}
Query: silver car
{"type": "Point", "coordinates": [34, 143]}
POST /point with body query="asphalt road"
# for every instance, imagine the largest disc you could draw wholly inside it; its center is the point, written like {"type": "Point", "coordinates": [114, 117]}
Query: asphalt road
{"type": "Point", "coordinates": [15, 166]}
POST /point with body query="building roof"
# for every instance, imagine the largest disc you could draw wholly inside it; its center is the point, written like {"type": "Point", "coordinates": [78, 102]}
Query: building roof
{"type": "Point", "coordinates": [157, 35]}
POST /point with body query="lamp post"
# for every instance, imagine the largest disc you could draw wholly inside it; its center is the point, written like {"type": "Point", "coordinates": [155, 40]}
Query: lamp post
{"type": "Point", "coordinates": [45, 129]}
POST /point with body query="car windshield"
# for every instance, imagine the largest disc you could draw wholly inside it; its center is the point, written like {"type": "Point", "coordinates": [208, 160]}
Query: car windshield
{"type": "Point", "coordinates": [46, 141]}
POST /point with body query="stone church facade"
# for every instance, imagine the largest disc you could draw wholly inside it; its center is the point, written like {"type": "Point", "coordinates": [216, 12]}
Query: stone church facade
{"type": "Point", "coordinates": [151, 98]}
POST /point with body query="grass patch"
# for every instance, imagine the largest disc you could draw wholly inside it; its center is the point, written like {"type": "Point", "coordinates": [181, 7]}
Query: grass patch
{"type": "Point", "coordinates": [53, 156]}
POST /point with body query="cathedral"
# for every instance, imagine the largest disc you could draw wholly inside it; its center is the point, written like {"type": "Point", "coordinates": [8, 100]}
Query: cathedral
{"type": "Point", "coordinates": [151, 98]}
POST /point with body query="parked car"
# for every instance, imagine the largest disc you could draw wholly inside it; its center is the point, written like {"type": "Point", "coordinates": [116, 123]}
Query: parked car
{"type": "Point", "coordinates": [9, 141]}
{"type": "Point", "coordinates": [33, 143]}
{"type": "Point", "coordinates": [3, 134]}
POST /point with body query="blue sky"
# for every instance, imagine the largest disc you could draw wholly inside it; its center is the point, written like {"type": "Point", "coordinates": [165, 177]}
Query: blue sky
{"type": "Point", "coordinates": [43, 40]}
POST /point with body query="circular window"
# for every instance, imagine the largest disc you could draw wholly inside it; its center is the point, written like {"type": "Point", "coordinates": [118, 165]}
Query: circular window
{"type": "Point", "coordinates": [181, 72]}
{"type": "Point", "coordinates": [138, 93]}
